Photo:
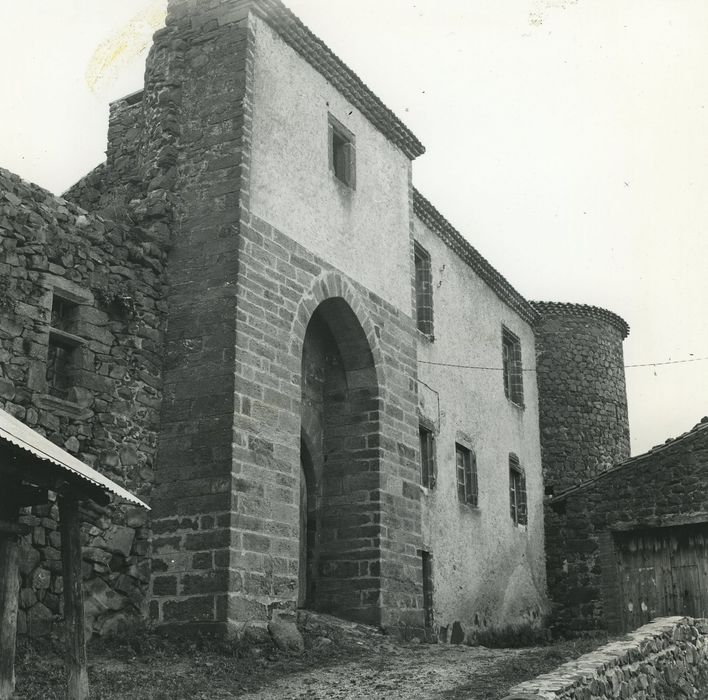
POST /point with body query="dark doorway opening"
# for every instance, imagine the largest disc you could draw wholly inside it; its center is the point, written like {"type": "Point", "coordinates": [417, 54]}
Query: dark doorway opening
{"type": "Point", "coordinates": [340, 522]}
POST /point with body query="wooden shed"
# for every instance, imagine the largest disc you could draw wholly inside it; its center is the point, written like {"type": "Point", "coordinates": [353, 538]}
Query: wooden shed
{"type": "Point", "coordinates": [30, 467]}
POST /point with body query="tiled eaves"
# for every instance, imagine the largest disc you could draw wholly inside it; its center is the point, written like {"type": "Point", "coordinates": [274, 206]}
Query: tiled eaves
{"type": "Point", "coordinates": [437, 223]}
{"type": "Point", "coordinates": [291, 29]}
{"type": "Point", "coordinates": [555, 308]}
{"type": "Point", "coordinates": [700, 430]}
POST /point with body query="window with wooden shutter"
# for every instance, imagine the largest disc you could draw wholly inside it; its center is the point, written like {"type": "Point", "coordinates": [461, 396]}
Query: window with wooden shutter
{"type": "Point", "coordinates": [512, 368]}
{"type": "Point", "coordinates": [342, 153]}
{"type": "Point", "coordinates": [423, 291]}
{"type": "Point", "coordinates": [466, 476]}
{"type": "Point", "coordinates": [517, 491]}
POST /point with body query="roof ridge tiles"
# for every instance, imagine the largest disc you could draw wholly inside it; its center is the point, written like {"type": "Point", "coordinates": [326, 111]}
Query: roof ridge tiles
{"type": "Point", "coordinates": [314, 50]}
{"type": "Point", "coordinates": [456, 241]}
{"type": "Point", "coordinates": [636, 459]}
{"type": "Point", "coordinates": [561, 308]}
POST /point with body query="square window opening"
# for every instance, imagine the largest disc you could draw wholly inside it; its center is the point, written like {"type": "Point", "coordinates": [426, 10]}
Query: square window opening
{"type": "Point", "coordinates": [342, 153]}
{"type": "Point", "coordinates": [467, 491]}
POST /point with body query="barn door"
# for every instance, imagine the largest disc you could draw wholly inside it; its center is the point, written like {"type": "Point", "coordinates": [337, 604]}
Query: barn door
{"type": "Point", "coordinates": [662, 572]}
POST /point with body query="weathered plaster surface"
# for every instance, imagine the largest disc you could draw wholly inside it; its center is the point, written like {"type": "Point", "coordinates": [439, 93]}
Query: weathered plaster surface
{"type": "Point", "coordinates": [293, 188]}
{"type": "Point", "coordinates": [487, 570]}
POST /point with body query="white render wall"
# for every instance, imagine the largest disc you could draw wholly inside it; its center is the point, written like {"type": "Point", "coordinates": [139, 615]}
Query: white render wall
{"type": "Point", "coordinates": [362, 231]}
{"type": "Point", "coordinates": [486, 570]}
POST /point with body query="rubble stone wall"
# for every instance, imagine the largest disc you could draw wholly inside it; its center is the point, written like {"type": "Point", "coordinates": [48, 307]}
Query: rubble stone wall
{"type": "Point", "coordinates": [663, 660]}
{"type": "Point", "coordinates": [665, 487]}
{"type": "Point", "coordinates": [582, 393]}
{"type": "Point", "coordinates": [109, 416]}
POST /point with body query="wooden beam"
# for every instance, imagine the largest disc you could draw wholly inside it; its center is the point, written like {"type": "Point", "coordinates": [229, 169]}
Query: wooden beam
{"type": "Point", "coordinates": [78, 688]}
{"type": "Point", "coordinates": [9, 593]}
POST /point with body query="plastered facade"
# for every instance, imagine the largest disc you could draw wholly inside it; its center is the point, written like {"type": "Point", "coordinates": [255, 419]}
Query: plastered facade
{"type": "Point", "coordinates": [488, 571]}
{"type": "Point", "coordinates": [351, 228]}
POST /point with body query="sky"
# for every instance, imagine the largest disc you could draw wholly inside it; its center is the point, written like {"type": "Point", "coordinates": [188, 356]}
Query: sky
{"type": "Point", "coordinates": [567, 140]}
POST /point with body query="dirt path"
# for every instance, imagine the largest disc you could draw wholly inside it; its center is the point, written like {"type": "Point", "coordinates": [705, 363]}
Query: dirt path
{"type": "Point", "coordinates": [401, 673]}
{"type": "Point", "coordinates": [342, 661]}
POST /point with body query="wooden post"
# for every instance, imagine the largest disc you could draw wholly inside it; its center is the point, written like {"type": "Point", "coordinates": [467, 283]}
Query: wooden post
{"type": "Point", "coordinates": [9, 593]}
{"type": "Point", "coordinates": [77, 673]}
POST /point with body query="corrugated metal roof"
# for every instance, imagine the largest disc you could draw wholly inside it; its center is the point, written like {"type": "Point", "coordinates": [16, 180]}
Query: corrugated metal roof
{"type": "Point", "coordinates": [16, 432]}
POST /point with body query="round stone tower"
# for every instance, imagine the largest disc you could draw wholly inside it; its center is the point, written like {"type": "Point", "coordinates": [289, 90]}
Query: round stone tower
{"type": "Point", "coordinates": [582, 393]}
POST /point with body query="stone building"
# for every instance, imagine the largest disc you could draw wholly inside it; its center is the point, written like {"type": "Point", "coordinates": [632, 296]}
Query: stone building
{"type": "Point", "coordinates": [631, 544]}
{"type": "Point", "coordinates": [334, 392]}
{"type": "Point", "coordinates": [80, 361]}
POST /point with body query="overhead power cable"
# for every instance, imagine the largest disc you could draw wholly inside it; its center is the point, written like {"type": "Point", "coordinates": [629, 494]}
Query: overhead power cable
{"type": "Point", "coordinates": [524, 369]}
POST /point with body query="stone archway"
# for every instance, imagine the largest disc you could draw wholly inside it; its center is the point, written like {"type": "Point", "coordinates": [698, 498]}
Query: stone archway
{"type": "Point", "coordinates": [340, 428]}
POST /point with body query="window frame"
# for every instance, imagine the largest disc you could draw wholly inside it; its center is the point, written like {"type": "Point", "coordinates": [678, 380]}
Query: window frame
{"type": "Point", "coordinates": [468, 485]}
{"type": "Point", "coordinates": [512, 367]}
{"type": "Point", "coordinates": [518, 496]}
{"type": "Point", "coordinates": [423, 281]}
{"type": "Point", "coordinates": [428, 470]}
{"type": "Point", "coordinates": [60, 337]}
{"type": "Point", "coordinates": [344, 173]}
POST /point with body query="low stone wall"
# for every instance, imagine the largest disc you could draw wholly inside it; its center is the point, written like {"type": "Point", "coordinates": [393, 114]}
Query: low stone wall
{"type": "Point", "coordinates": [666, 659]}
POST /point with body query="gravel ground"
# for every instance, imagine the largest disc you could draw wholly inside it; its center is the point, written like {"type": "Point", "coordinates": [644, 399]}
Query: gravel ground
{"type": "Point", "coordinates": [342, 661]}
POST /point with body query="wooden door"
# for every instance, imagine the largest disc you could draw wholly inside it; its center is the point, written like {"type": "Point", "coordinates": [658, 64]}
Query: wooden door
{"type": "Point", "coordinates": [662, 572]}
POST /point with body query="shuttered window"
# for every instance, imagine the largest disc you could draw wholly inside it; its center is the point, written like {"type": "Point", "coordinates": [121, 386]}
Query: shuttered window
{"type": "Point", "coordinates": [423, 291]}
{"type": "Point", "coordinates": [517, 491]}
{"type": "Point", "coordinates": [466, 476]}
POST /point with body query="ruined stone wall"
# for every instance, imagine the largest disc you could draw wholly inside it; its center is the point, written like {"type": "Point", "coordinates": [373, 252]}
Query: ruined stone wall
{"type": "Point", "coordinates": [663, 660]}
{"type": "Point", "coordinates": [109, 416]}
{"type": "Point", "coordinates": [582, 393]}
{"type": "Point", "coordinates": [665, 487]}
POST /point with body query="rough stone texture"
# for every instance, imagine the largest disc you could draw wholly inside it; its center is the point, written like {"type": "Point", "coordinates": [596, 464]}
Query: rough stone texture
{"type": "Point", "coordinates": [286, 636]}
{"type": "Point", "coordinates": [665, 487]}
{"type": "Point", "coordinates": [582, 393]}
{"type": "Point", "coordinates": [113, 269]}
{"type": "Point", "coordinates": [664, 660]}
{"type": "Point", "coordinates": [230, 401]}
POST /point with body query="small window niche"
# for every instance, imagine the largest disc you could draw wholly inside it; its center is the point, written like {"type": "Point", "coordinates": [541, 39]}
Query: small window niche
{"type": "Point", "coordinates": [512, 367]}
{"type": "Point", "coordinates": [423, 291]}
{"type": "Point", "coordinates": [427, 457]}
{"type": "Point", "coordinates": [64, 347]}
{"type": "Point", "coordinates": [467, 490]}
{"type": "Point", "coordinates": [517, 491]}
{"type": "Point", "coordinates": [342, 153]}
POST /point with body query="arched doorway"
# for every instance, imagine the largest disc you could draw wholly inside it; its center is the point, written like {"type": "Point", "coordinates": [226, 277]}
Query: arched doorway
{"type": "Point", "coordinates": [340, 522]}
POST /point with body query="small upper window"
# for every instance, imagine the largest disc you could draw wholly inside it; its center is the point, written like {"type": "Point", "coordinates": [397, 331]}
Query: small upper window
{"type": "Point", "coordinates": [466, 476]}
{"type": "Point", "coordinates": [64, 347]}
{"type": "Point", "coordinates": [342, 153]}
{"type": "Point", "coordinates": [512, 369]}
{"type": "Point", "coordinates": [423, 291]}
{"type": "Point", "coordinates": [517, 491]}
{"type": "Point", "coordinates": [427, 457]}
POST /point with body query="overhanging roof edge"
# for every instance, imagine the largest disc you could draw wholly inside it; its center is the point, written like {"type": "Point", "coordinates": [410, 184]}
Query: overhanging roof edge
{"type": "Point", "coordinates": [17, 433]}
